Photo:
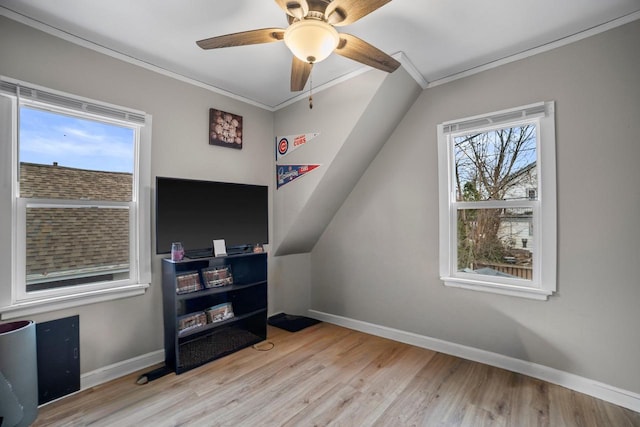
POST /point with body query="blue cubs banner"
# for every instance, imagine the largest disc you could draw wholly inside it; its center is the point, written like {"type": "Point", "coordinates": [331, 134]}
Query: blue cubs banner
{"type": "Point", "coordinates": [286, 144]}
{"type": "Point", "coordinates": [287, 173]}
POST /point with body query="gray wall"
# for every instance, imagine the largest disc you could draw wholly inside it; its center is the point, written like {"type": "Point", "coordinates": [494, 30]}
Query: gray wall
{"type": "Point", "coordinates": [378, 259]}
{"type": "Point", "coordinates": [114, 331]}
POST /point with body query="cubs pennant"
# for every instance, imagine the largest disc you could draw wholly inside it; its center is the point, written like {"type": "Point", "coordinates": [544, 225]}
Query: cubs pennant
{"type": "Point", "coordinates": [287, 173]}
{"type": "Point", "coordinates": [286, 144]}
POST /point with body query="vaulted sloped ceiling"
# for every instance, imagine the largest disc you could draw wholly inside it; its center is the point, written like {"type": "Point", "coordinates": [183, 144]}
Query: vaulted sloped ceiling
{"type": "Point", "coordinates": [353, 124]}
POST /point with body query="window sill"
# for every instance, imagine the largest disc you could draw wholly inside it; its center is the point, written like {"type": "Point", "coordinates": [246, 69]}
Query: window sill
{"type": "Point", "coordinates": [28, 308]}
{"type": "Point", "coordinates": [496, 288]}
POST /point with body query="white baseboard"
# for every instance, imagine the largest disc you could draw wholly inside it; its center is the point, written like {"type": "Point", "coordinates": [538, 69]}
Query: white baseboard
{"type": "Point", "coordinates": [120, 369]}
{"type": "Point", "coordinates": [580, 384]}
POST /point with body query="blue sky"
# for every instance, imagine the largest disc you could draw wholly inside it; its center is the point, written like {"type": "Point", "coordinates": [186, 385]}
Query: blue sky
{"type": "Point", "coordinates": [47, 137]}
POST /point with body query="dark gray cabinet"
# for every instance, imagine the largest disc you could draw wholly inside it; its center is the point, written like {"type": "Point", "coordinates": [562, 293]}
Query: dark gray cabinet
{"type": "Point", "coordinates": [198, 327]}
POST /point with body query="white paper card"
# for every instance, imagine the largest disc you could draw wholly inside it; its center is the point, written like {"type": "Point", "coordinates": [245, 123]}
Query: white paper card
{"type": "Point", "coordinates": [219, 248]}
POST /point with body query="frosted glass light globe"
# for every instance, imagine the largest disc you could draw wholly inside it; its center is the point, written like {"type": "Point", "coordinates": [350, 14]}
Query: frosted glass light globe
{"type": "Point", "coordinates": [311, 40]}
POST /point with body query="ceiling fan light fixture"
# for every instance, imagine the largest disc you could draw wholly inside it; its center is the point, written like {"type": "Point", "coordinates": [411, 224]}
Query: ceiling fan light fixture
{"type": "Point", "coordinates": [311, 40]}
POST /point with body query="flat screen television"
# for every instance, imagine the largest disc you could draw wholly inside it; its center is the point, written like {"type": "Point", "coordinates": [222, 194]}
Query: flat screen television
{"type": "Point", "coordinates": [196, 212]}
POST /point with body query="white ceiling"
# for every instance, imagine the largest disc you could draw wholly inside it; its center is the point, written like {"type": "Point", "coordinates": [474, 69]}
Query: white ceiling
{"type": "Point", "coordinates": [435, 39]}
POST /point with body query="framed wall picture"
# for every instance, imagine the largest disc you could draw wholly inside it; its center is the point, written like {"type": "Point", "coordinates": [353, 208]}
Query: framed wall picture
{"type": "Point", "coordinates": [225, 129]}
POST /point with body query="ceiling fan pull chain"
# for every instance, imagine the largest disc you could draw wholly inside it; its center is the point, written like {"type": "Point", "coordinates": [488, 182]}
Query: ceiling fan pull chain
{"type": "Point", "coordinates": [311, 87]}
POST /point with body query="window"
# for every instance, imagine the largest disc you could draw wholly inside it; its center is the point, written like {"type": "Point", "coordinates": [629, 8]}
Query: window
{"type": "Point", "coordinates": [80, 214]}
{"type": "Point", "coordinates": [498, 202]}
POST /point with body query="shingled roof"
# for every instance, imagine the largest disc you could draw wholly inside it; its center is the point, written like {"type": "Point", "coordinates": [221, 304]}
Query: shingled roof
{"type": "Point", "coordinates": [59, 182]}
{"type": "Point", "coordinates": [64, 244]}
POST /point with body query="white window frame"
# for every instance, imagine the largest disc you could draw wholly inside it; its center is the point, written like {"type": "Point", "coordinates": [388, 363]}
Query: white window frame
{"type": "Point", "coordinates": [543, 283]}
{"type": "Point", "coordinates": [18, 302]}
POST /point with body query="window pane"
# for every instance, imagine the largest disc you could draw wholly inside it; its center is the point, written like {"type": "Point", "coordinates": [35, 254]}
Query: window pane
{"type": "Point", "coordinates": [496, 242]}
{"type": "Point", "coordinates": [65, 157]}
{"type": "Point", "coordinates": [496, 165]}
{"type": "Point", "coordinates": [71, 246]}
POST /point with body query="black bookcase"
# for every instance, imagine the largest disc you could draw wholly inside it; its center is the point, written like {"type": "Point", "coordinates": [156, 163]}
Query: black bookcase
{"type": "Point", "coordinates": [192, 334]}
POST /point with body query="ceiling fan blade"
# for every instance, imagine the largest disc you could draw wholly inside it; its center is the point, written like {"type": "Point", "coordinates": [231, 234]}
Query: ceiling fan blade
{"type": "Point", "coordinates": [265, 35]}
{"type": "Point", "coordinates": [296, 8]}
{"type": "Point", "coordinates": [345, 12]}
{"type": "Point", "coordinates": [357, 49]}
{"type": "Point", "coordinates": [300, 72]}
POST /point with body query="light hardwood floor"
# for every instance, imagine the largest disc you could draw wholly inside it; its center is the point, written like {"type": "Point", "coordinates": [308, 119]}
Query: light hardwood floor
{"type": "Point", "coordinates": [329, 375]}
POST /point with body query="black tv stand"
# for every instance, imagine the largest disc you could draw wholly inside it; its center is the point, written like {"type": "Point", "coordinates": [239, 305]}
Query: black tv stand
{"type": "Point", "coordinates": [193, 335]}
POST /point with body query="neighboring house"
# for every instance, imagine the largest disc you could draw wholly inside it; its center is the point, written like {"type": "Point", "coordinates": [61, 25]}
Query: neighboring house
{"type": "Point", "coordinates": [78, 245]}
{"type": "Point", "coordinates": [516, 227]}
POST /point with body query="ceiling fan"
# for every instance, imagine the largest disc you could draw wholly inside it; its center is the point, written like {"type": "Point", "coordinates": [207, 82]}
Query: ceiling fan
{"type": "Point", "coordinates": [311, 36]}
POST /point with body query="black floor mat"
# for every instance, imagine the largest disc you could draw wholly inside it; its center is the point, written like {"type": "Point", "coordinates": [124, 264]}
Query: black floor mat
{"type": "Point", "coordinates": [290, 322]}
